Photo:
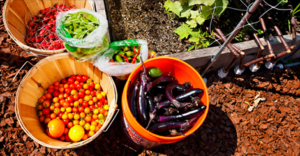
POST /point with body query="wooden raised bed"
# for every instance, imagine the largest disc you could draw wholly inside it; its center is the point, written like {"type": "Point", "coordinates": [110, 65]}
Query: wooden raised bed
{"type": "Point", "coordinates": [198, 58]}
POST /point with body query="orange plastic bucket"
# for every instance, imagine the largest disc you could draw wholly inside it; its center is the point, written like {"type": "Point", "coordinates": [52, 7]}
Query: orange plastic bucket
{"type": "Point", "coordinates": [182, 72]}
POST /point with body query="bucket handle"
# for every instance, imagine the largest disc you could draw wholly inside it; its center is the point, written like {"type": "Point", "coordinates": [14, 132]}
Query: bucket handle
{"type": "Point", "coordinates": [117, 111]}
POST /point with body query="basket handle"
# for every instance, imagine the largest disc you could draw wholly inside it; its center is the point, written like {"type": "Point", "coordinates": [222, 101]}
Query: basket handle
{"type": "Point", "coordinates": [117, 111]}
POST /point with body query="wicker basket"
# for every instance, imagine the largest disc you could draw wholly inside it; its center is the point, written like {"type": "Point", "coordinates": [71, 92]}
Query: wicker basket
{"type": "Point", "coordinates": [46, 72]}
{"type": "Point", "coordinates": [17, 14]}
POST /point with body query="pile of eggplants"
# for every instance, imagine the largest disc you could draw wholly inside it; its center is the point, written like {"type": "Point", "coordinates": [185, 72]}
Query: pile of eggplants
{"type": "Point", "coordinates": [162, 105]}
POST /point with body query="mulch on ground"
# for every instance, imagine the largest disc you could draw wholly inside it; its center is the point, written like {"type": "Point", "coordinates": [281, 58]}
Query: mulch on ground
{"type": "Point", "coordinates": [271, 128]}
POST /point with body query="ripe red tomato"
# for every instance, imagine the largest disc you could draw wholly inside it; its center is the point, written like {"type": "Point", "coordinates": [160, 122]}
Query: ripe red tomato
{"type": "Point", "coordinates": [61, 89]}
{"type": "Point", "coordinates": [81, 109]}
{"type": "Point", "coordinates": [42, 118]}
{"type": "Point", "coordinates": [67, 90]}
{"type": "Point", "coordinates": [66, 121]}
{"type": "Point", "coordinates": [55, 93]}
{"type": "Point", "coordinates": [46, 111]}
{"type": "Point", "coordinates": [93, 93]}
{"type": "Point", "coordinates": [72, 86]}
{"type": "Point", "coordinates": [48, 96]}
{"type": "Point", "coordinates": [56, 87]}
{"type": "Point", "coordinates": [71, 80]}
{"type": "Point", "coordinates": [41, 100]}
{"type": "Point", "coordinates": [67, 138]}
{"type": "Point", "coordinates": [84, 78]}
{"type": "Point", "coordinates": [75, 109]}
{"type": "Point", "coordinates": [92, 107]}
{"type": "Point", "coordinates": [99, 104]}
{"type": "Point", "coordinates": [63, 81]}
{"type": "Point", "coordinates": [91, 85]}
{"type": "Point", "coordinates": [60, 115]}
{"type": "Point", "coordinates": [56, 83]}
{"type": "Point", "coordinates": [46, 103]}
{"type": "Point", "coordinates": [85, 104]}
{"type": "Point", "coordinates": [78, 86]}
{"type": "Point", "coordinates": [51, 87]}
{"type": "Point", "coordinates": [78, 78]}
{"type": "Point", "coordinates": [73, 77]}
{"type": "Point", "coordinates": [70, 125]}
{"type": "Point", "coordinates": [50, 90]}
{"type": "Point", "coordinates": [70, 99]}
{"type": "Point", "coordinates": [81, 94]}
{"type": "Point", "coordinates": [75, 97]}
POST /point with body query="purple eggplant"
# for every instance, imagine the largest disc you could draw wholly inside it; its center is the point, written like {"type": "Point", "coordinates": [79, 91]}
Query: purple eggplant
{"type": "Point", "coordinates": [187, 105]}
{"type": "Point", "coordinates": [171, 111]}
{"type": "Point", "coordinates": [159, 80]}
{"type": "Point", "coordinates": [141, 107]}
{"type": "Point", "coordinates": [150, 102]}
{"type": "Point", "coordinates": [181, 97]}
{"type": "Point", "coordinates": [169, 93]}
{"type": "Point", "coordinates": [190, 114]}
{"type": "Point", "coordinates": [182, 125]}
{"type": "Point", "coordinates": [133, 105]}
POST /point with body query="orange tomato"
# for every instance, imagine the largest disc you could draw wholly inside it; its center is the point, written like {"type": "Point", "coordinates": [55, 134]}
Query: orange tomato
{"type": "Point", "coordinates": [56, 128]}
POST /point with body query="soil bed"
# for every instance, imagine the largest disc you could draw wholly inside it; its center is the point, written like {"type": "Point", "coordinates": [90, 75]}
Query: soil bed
{"type": "Point", "coordinates": [229, 129]}
{"type": "Point", "coordinates": [143, 19]}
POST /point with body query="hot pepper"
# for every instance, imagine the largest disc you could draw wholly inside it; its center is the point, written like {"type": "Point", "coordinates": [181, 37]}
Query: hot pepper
{"type": "Point", "coordinates": [125, 58]}
{"type": "Point", "coordinates": [135, 54]}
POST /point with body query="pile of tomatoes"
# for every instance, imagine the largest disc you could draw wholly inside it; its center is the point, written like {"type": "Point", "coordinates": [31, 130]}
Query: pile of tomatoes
{"type": "Point", "coordinates": [73, 109]}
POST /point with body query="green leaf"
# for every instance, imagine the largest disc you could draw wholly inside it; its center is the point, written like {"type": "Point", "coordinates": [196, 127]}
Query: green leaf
{"type": "Point", "coordinates": [200, 20]}
{"type": "Point", "coordinates": [191, 47]}
{"type": "Point", "coordinates": [194, 39]}
{"type": "Point", "coordinates": [220, 6]}
{"type": "Point", "coordinates": [174, 7]}
{"type": "Point", "coordinates": [186, 11]}
{"type": "Point", "coordinates": [183, 31]}
{"type": "Point", "coordinates": [205, 2]}
{"type": "Point", "coordinates": [192, 23]}
{"type": "Point", "coordinates": [168, 4]}
{"type": "Point", "coordinates": [194, 14]}
{"type": "Point", "coordinates": [206, 12]}
{"type": "Point", "coordinates": [196, 33]}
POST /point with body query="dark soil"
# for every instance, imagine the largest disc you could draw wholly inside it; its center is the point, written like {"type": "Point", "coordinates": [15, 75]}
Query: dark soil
{"type": "Point", "coordinates": [272, 128]}
{"type": "Point", "coordinates": [144, 19]}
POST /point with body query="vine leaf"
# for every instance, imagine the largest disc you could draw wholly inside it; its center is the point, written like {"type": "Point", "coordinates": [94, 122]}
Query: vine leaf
{"type": "Point", "coordinates": [186, 11]}
{"type": "Point", "coordinates": [196, 35]}
{"type": "Point", "coordinates": [220, 6]}
{"type": "Point", "coordinates": [205, 2]}
{"type": "Point", "coordinates": [183, 31]}
{"type": "Point", "coordinates": [200, 20]}
{"type": "Point", "coordinates": [206, 12]}
{"type": "Point", "coordinates": [174, 7]}
{"type": "Point", "coordinates": [192, 23]}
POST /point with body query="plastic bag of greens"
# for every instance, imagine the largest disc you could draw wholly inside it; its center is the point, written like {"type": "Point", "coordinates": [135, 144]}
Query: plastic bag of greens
{"type": "Point", "coordinates": [83, 32]}
{"type": "Point", "coordinates": [122, 57]}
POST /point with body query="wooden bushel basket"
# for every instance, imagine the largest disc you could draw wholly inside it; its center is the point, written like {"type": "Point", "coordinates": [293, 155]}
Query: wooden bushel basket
{"type": "Point", "coordinates": [17, 14]}
{"type": "Point", "coordinates": [39, 77]}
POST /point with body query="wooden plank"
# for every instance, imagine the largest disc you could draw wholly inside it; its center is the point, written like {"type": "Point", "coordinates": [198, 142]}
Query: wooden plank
{"type": "Point", "coordinates": [34, 6]}
{"type": "Point", "coordinates": [198, 58]}
{"type": "Point", "coordinates": [102, 10]}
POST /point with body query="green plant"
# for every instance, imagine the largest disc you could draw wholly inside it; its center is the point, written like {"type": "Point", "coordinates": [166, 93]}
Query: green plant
{"type": "Point", "coordinates": [196, 12]}
{"type": "Point", "coordinates": [244, 31]}
{"type": "Point", "coordinates": [295, 11]}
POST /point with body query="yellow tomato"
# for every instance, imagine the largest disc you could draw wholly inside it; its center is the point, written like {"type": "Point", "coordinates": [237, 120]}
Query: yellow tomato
{"type": "Point", "coordinates": [76, 133]}
{"type": "Point", "coordinates": [97, 86]}
{"type": "Point", "coordinates": [106, 107]}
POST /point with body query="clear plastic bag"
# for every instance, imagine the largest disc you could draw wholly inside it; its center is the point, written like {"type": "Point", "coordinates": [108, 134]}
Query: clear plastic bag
{"type": "Point", "coordinates": [94, 44]}
{"type": "Point", "coordinates": [120, 69]}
